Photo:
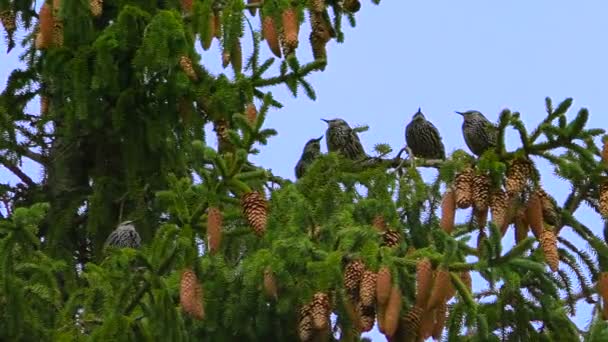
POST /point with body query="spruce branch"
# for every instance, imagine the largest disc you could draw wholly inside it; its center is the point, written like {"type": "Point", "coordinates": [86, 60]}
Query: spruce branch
{"type": "Point", "coordinates": [299, 73]}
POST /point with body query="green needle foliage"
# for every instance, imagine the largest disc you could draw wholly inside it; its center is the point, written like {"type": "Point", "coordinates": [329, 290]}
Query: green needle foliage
{"type": "Point", "coordinates": [125, 98]}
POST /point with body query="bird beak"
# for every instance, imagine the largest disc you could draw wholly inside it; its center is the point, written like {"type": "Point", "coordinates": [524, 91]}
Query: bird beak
{"type": "Point", "coordinates": [325, 120]}
{"type": "Point", "coordinates": [461, 113]}
{"type": "Point", "coordinates": [319, 138]}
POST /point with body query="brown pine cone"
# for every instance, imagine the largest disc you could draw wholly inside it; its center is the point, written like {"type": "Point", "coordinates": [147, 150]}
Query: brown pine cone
{"type": "Point", "coordinates": [602, 290]}
{"type": "Point", "coordinates": [480, 192]}
{"type": "Point", "coordinates": [185, 64]}
{"type": "Point", "coordinates": [97, 7]}
{"type": "Point", "coordinates": [443, 289]}
{"type": "Point", "coordinates": [427, 322]}
{"type": "Point", "coordinates": [271, 35]}
{"type": "Point", "coordinates": [424, 281]}
{"type": "Point", "coordinates": [305, 325]}
{"type": "Point", "coordinates": [379, 223]}
{"type": "Point", "coordinates": [191, 294]}
{"type": "Point", "coordinates": [367, 317]}
{"type": "Point", "coordinates": [550, 214]}
{"type": "Point", "coordinates": [534, 214]}
{"type": "Point", "coordinates": [412, 321]}
{"type": "Point", "coordinates": [463, 188]}
{"type": "Point", "coordinates": [518, 175]}
{"type": "Point", "coordinates": [9, 22]}
{"type": "Point", "coordinates": [291, 28]}
{"type": "Point", "coordinates": [391, 238]}
{"type": "Point", "coordinates": [352, 277]}
{"type": "Point", "coordinates": [548, 241]}
{"type": "Point", "coordinates": [270, 284]}
{"type": "Point", "coordinates": [383, 285]}
{"type": "Point", "coordinates": [441, 316]}
{"type": "Point", "coordinates": [604, 199]}
{"type": "Point", "coordinates": [255, 210]}
{"type": "Point", "coordinates": [367, 288]}
{"type": "Point", "coordinates": [499, 206]}
{"type": "Point", "coordinates": [448, 211]}
{"type": "Point", "coordinates": [214, 229]}
{"type": "Point", "coordinates": [251, 113]}
{"type": "Point", "coordinates": [392, 312]}
{"type": "Point", "coordinates": [317, 5]}
{"type": "Point", "coordinates": [44, 104]}
{"type": "Point", "coordinates": [605, 152]}
{"type": "Point", "coordinates": [46, 27]}
{"type": "Point", "coordinates": [57, 33]}
{"type": "Point", "coordinates": [320, 310]}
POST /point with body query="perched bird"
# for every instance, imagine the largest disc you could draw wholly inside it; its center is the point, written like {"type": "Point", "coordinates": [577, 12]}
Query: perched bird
{"type": "Point", "coordinates": [479, 133]}
{"type": "Point", "coordinates": [423, 139]}
{"type": "Point", "coordinates": [311, 151]}
{"type": "Point", "coordinates": [343, 139]}
{"type": "Point", "coordinates": [124, 236]}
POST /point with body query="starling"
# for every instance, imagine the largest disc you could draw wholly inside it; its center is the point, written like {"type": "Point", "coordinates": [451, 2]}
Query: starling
{"type": "Point", "coordinates": [124, 236]}
{"type": "Point", "coordinates": [423, 138]}
{"type": "Point", "coordinates": [343, 139]}
{"type": "Point", "coordinates": [479, 133]}
{"type": "Point", "coordinates": [311, 151]}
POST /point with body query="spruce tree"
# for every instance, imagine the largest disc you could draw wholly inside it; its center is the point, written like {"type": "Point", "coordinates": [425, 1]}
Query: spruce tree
{"type": "Point", "coordinates": [221, 249]}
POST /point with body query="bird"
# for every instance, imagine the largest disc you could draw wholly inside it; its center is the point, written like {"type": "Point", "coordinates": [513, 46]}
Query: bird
{"type": "Point", "coordinates": [423, 139]}
{"type": "Point", "coordinates": [479, 133]}
{"type": "Point", "coordinates": [343, 139]}
{"type": "Point", "coordinates": [311, 151]}
{"type": "Point", "coordinates": [124, 236]}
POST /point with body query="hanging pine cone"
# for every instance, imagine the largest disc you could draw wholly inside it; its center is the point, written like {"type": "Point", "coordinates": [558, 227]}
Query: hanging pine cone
{"type": "Point", "coordinates": [480, 192]}
{"type": "Point", "coordinates": [440, 319]}
{"type": "Point", "coordinates": [214, 229]}
{"type": "Point", "coordinates": [367, 317]}
{"type": "Point", "coordinates": [383, 285]}
{"type": "Point", "coordinates": [605, 152]}
{"type": "Point", "coordinates": [225, 58]}
{"type": "Point", "coordinates": [270, 284]}
{"type": "Point", "coordinates": [518, 175]}
{"type": "Point", "coordinates": [317, 6]}
{"type": "Point", "coordinates": [217, 24]}
{"type": "Point", "coordinates": [57, 33]}
{"type": "Point", "coordinates": [271, 35]}
{"type": "Point", "coordinates": [251, 113]}
{"type": "Point", "coordinates": [427, 322]}
{"type": "Point", "coordinates": [550, 214]}
{"type": "Point", "coordinates": [191, 294]}
{"type": "Point", "coordinates": [291, 29]}
{"type": "Point", "coordinates": [44, 104]}
{"type": "Point", "coordinates": [367, 288]}
{"type": "Point", "coordinates": [548, 241]}
{"type": "Point", "coordinates": [221, 128]}
{"type": "Point", "coordinates": [521, 225]}
{"type": "Point", "coordinates": [352, 6]}
{"type": "Point", "coordinates": [379, 223]}
{"type": "Point", "coordinates": [352, 277]}
{"type": "Point", "coordinates": [96, 7]}
{"type": "Point", "coordinates": [319, 47]}
{"type": "Point", "coordinates": [391, 238]}
{"type": "Point", "coordinates": [602, 289]}
{"type": "Point", "coordinates": [186, 64]}
{"type": "Point", "coordinates": [463, 188]}
{"type": "Point", "coordinates": [443, 289]}
{"type": "Point", "coordinates": [392, 313]}
{"type": "Point", "coordinates": [499, 206]}
{"type": "Point", "coordinates": [412, 321]}
{"type": "Point", "coordinates": [320, 310]}
{"type": "Point", "coordinates": [448, 211]}
{"type": "Point", "coordinates": [604, 199]}
{"type": "Point", "coordinates": [46, 27]}
{"type": "Point", "coordinates": [424, 281]}
{"type": "Point", "coordinates": [534, 214]}
{"type": "Point", "coordinates": [187, 6]}
{"type": "Point", "coordinates": [255, 209]}
{"type": "Point", "coordinates": [7, 17]}
{"type": "Point", "coordinates": [305, 328]}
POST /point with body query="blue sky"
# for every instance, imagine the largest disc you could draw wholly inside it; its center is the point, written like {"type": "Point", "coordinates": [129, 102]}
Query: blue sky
{"type": "Point", "coordinates": [444, 56]}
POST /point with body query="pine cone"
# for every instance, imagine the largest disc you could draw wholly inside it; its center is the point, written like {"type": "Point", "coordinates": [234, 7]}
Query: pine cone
{"type": "Point", "coordinates": [518, 175]}
{"type": "Point", "coordinates": [448, 211]}
{"type": "Point", "coordinates": [46, 27]}
{"type": "Point", "coordinates": [97, 7]}
{"type": "Point", "coordinates": [57, 33]}
{"type": "Point", "coordinates": [7, 17]}
{"type": "Point", "coordinates": [317, 5]}
{"type": "Point", "coordinates": [383, 285]}
{"type": "Point", "coordinates": [255, 209]}
{"type": "Point", "coordinates": [291, 29]}
{"type": "Point", "coordinates": [602, 289]}
{"type": "Point", "coordinates": [424, 281]}
{"type": "Point", "coordinates": [393, 310]}
{"type": "Point", "coordinates": [217, 25]}
{"type": "Point", "coordinates": [521, 225]}
{"type": "Point", "coordinates": [605, 153]}
{"type": "Point", "coordinates": [443, 289]}
{"type": "Point", "coordinates": [270, 284]}
{"type": "Point", "coordinates": [534, 214]}
{"type": "Point", "coordinates": [427, 322]}
{"type": "Point", "coordinates": [352, 6]}
{"type": "Point", "coordinates": [440, 319]}
{"type": "Point", "coordinates": [412, 321]}
{"type": "Point", "coordinates": [367, 288]}
{"type": "Point", "coordinates": [44, 104]}
{"type": "Point", "coordinates": [352, 277]}
{"type": "Point", "coordinates": [499, 206]}
{"type": "Point", "coordinates": [186, 64]}
{"type": "Point", "coordinates": [548, 241]}
{"type": "Point", "coordinates": [251, 113]}
{"type": "Point", "coordinates": [191, 294]}
{"type": "Point", "coordinates": [463, 188]}
{"type": "Point", "coordinates": [271, 35]}
{"type": "Point", "coordinates": [187, 6]}
{"type": "Point", "coordinates": [480, 192]}
{"type": "Point", "coordinates": [604, 199]}
{"type": "Point", "coordinates": [305, 328]}
{"type": "Point", "coordinates": [550, 215]}
{"type": "Point", "coordinates": [214, 229]}
{"type": "Point", "coordinates": [379, 223]}
{"type": "Point", "coordinates": [391, 238]}
{"type": "Point", "coordinates": [225, 58]}
{"type": "Point", "coordinates": [367, 317]}
{"type": "Point", "coordinates": [320, 310]}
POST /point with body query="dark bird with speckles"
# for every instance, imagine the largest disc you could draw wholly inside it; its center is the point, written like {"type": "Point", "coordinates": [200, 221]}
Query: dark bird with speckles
{"type": "Point", "coordinates": [423, 139]}
{"type": "Point", "coordinates": [479, 133]}
{"type": "Point", "coordinates": [341, 138]}
{"type": "Point", "coordinates": [311, 151]}
{"type": "Point", "coordinates": [124, 236]}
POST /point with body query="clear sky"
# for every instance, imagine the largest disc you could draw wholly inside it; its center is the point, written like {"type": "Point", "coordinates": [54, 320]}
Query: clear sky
{"type": "Point", "coordinates": [444, 56]}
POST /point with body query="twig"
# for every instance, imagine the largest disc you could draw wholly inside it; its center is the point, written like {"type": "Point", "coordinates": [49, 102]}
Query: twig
{"type": "Point", "coordinates": [17, 171]}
